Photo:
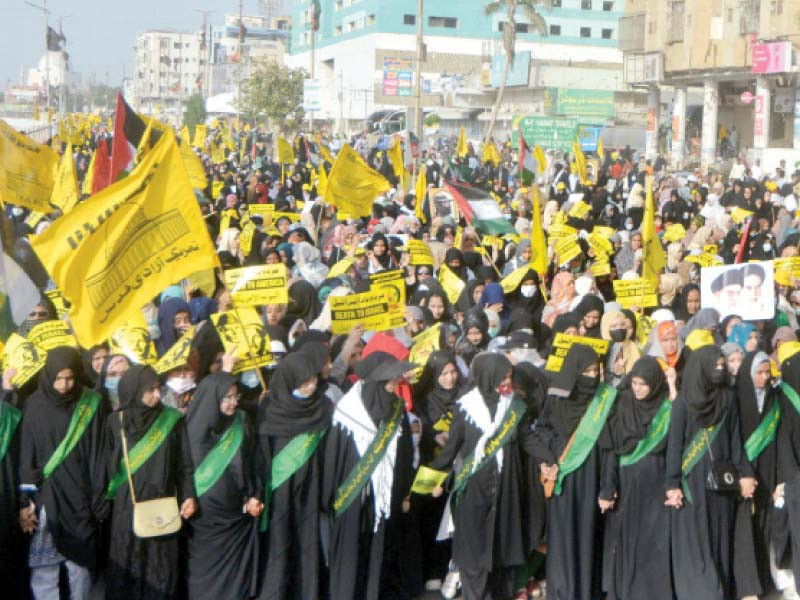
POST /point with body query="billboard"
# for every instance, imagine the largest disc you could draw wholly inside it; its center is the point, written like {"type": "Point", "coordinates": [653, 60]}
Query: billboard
{"type": "Point", "coordinates": [518, 73]}
{"type": "Point", "coordinates": [597, 104]}
{"type": "Point", "coordinates": [398, 76]}
{"type": "Point", "coordinates": [774, 57]}
{"type": "Point", "coordinates": [554, 133]}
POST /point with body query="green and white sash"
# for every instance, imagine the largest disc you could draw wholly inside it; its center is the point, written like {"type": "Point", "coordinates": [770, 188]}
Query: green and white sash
{"type": "Point", "coordinates": [586, 434]}
{"type": "Point", "coordinates": [765, 433]}
{"type": "Point", "coordinates": [220, 456]}
{"type": "Point", "coordinates": [286, 463]}
{"type": "Point", "coordinates": [9, 419]}
{"type": "Point", "coordinates": [145, 447]}
{"type": "Point", "coordinates": [81, 417]}
{"type": "Point", "coordinates": [695, 451]}
{"type": "Point", "coordinates": [659, 427]}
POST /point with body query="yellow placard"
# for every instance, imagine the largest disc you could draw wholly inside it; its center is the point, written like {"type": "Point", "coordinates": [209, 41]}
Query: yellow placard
{"type": "Point", "coordinates": [341, 267]}
{"type": "Point", "coordinates": [419, 253]}
{"type": "Point", "coordinates": [242, 332]}
{"type": "Point", "coordinates": [258, 285]}
{"type": "Point", "coordinates": [371, 309]}
{"type": "Point", "coordinates": [674, 233]}
{"type": "Point", "coordinates": [579, 210]}
{"type": "Point", "coordinates": [216, 188]}
{"type": "Point", "coordinates": [606, 232]}
{"type": "Point", "coordinates": [393, 282]}
{"type": "Point", "coordinates": [559, 230]}
{"type": "Point", "coordinates": [178, 355]}
{"type": "Point", "coordinates": [270, 215]}
{"type": "Point", "coordinates": [563, 342]}
{"type": "Point", "coordinates": [704, 260]}
{"type": "Point", "coordinates": [567, 249]}
{"type": "Point", "coordinates": [739, 215]}
{"type": "Point", "coordinates": [636, 292]}
{"type": "Point", "coordinates": [24, 356]}
{"type": "Point", "coordinates": [425, 343]}
{"type": "Point", "coordinates": [601, 245]}
{"type": "Point", "coordinates": [110, 254]}
{"type": "Point", "coordinates": [26, 170]}
{"type": "Point", "coordinates": [134, 342]}
{"type": "Point", "coordinates": [711, 249]}
{"type": "Point", "coordinates": [601, 268]}
{"type": "Point", "coordinates": [52, 334]}
{"type": "Point", "coordinates": [428, 480]}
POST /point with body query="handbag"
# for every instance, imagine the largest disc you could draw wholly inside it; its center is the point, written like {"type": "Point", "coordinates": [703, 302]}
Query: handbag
{"type": "Point", "coordinates": [722, 477]}
{"type": "Point", "coordinates": [151, 518]}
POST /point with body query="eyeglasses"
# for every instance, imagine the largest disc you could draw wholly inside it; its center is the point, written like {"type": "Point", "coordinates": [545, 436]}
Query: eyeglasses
{"type": "Point", "coordinates": [231, 399]}
{"type": "Point", "coordinates": [39, 313]}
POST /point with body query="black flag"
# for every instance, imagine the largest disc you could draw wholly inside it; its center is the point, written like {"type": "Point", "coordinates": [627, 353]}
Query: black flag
{"type": "Point", "coordinates": [55, 40]}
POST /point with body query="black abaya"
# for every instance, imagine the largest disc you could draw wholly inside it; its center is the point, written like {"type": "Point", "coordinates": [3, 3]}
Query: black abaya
{"type": "Point", "coordinates": [12, 548]}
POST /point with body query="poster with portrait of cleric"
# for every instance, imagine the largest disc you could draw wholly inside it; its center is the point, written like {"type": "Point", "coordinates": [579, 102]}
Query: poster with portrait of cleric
{"type": "Point", "coordinates": [745, 289]}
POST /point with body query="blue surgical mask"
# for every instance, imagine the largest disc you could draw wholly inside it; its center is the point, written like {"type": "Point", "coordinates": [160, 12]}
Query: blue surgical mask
{"type": "Point", "coordinates": [250, 379]}
{"type": "Point", "coordinates": [300, 395]}
{"type": "Point", "coordinates": [112, 385]}
{"type": "Point", "coordinates": [493, 331]}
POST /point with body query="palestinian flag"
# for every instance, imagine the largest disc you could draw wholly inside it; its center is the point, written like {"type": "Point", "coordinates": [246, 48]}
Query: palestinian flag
{"type": "Point", "coordinates": [479, 209]}
{"type": "Point", "coordinates": [128, 131]}
{"type": "Point", "coordinates": [101, 167]}
{"type": "Point", "coordinates": [527, 162]}
{"type": "Point", "coordinates": [18, 294]}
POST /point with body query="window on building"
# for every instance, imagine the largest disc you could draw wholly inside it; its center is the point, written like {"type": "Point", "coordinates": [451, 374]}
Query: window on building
{"type": "Point", "coordinates": [522, 27]}
{"type": "Point", "coordinates": [586, 32]}
{"type": "Point", "coordinates": [586, 4]}
{"type": "Point", "coordinates": [176, 45]}
{"type": "Point", "coordinates": [409, 19]}
{"type": "Point", "coordinates": [351, 26]}
{"type": "Point", "coordinates": [676, 21]}
{"type": "Point", "coordinates": [776, 7]}
{"type": "Point", "coordinates": [555, 29]}
{"type": "Point", "coordinates": [556, 3]}
{"type": "Point", "coordinates": [338, 30]}
{"type": "Point", "coordinates": [606, 34]}
{"type": "Point", "coordinates": [338, 5]}
{"type": "Point", "coordinates": [448, 22]}
{"type": "Point", "coordinates": [608, 6]}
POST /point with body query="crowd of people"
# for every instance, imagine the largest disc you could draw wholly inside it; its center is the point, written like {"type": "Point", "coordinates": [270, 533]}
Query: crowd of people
{"type": "Point", "coordinates": [580, 445]}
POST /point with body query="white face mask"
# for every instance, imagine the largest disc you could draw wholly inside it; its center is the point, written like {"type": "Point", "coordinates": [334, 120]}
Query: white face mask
{"type": "Point", "coordinates": [528, 291]}
{"type": "Point", "coordinates": [249, 379]}
{"type": "Point", "coordinates": [17, 211]}
{"type": "Point", "coordinates": [767, 247]}
{"type": "Point", "coordinates": [181, 385]}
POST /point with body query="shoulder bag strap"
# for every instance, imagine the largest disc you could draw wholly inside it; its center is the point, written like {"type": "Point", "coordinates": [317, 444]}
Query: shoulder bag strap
{"type": "Point", "coordinates": [125, 454]}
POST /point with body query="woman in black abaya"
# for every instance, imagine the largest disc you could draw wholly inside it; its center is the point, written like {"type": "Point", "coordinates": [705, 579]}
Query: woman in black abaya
{"type": "Point", "coordinates": [498, 518]}
{"type": "Point", "coordinates": [223, 537]}
{"type": "Point", "coordinates": [295, 406]}
{"type": "Point", "coordinates": [702, 526]}
{"type": "Point", "coordinates": [574, 535]}
{"type": "Point", "coordinates": [146, 568]}
{"type": "Point", "coordinates": [369, 555]}
{"type": "Point", "coordinates": [636, 559]}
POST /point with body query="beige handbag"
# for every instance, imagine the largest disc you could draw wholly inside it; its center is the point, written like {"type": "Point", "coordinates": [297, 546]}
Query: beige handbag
{"type": "Point", "coordinates": [151, 518]}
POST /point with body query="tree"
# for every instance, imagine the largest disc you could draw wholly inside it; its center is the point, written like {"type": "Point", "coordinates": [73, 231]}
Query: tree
{"type": "Point", "coordinates": [511, 7]}
{"type": "Point", "coordinates": [276, 92]}
{"type": "Point", "coordinates": [195, 111]}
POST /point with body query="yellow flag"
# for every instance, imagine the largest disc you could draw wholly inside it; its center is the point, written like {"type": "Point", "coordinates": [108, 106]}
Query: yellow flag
{"type": "Point", "coordinates": [395, 155]}
{"type": "Point", "coordinates": [420, 191]}
{"type": "Point", "coordinates": [191, 162]}
{"type": "Point", "coordinates": [451, 283]}
{"type": "Point", "coordinates": [217, 154]}
{"type": "Point", "coordinates": [352, 185]}
{"type": "Point", "coordinates": [323, 150]}
{"type": "Point", "coordinates": [36, 115]}
{"type": "Point", "coordinates": [285, 152]}
{"type": "Point", "coordinates": [541, 159]}
{"type": "Point", "coordinates": [580, 161]}
{"type": "Point", "coordinates": [654, 259]}
{"type": "Point", "coordinates": [144, 143]}
{"type": "Point", "coordinates": [601, 151]}
{"type": "Point", "coordinates": [200, 133]}
{"type": "Point", "coordinates": [26, 170]}
{"type": "Point", "coordinates": [112, 253]}
{"type": "Point", "coordinates": [88, 179]}
{"type": "Point", "coordinates": [490, 153]}
{"type": "Point", "coordinates": [462, 149]}
{"type": "Point", "coordinates": [65, 189]}
{"type": "Point", "coordinates": [538, 243]}
{"type": "Point", "coordinates": [322, 181]}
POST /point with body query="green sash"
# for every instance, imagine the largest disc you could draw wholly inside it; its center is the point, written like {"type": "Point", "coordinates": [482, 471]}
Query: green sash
{"type": "Point", "coordinates": [695, 451]}
{"type": "Point", "coordinates": [9, 419]}
{"type": "Point", "coordinates": [659, 427]}
{"type": "Point", "coordinates": [513, 416]}
{"type": "Point", "coordinates": [286, 463]}
{"type": "Point", "coordinates": [764, 434]}
{"type": "Point", "coordinates": [360, 474]}
{"type": "Point", "coordinates": [145, 447]}
{"type": "Point", "coordinates": [220, 456]}
{"type": "Point", "coordinates": [789, 392]}
{"type": "Point", "coordinates": [586, 434]}
{"type": "Point", "coordinates": [81, 417]}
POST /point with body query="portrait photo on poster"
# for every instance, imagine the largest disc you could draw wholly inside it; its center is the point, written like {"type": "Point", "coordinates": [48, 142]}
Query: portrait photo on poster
{"type": "Point", "coordinates": [746, 290]}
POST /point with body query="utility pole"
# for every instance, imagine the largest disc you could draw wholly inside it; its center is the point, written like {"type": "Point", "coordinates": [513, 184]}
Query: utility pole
{"type": "Point", "coordinates": [313, 45]}
{"type": "Point", "coordinates": [207, 48]}
{"type": "Point", "coordinates": [239, 70]}
{"type": "Point", "coordinates": [46, 13]}
{"type": "Point", "coordinates": [418, 91]}
{"type": "Point", "coordinates": [180, 80]}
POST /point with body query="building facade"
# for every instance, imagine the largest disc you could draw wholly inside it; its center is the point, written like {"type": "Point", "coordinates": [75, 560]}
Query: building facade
{"type": "Point", "coordinates": [737, 54]}
{"type": "Point", "coordinates": [364, 56]}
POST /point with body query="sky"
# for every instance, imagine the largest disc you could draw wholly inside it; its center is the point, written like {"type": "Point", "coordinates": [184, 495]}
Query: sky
{"type": "Point", "coordinates": [100, 33]}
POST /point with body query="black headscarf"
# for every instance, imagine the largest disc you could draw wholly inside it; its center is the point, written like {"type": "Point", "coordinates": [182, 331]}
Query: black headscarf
{"type": "Point", "coordinates": [374, 371]}
{"type": "Point", "coordinates": [790, 371]}
{"type": "Point", "coordinates": [587, 304]}
{"type": "Point", "coordinates": [284, 415]}
{"type": "Point", "coordinates": [166, 315]}
{"type": "Point", "coordinates": [58, 359]}
{"type": "Point", "coordinates": [205, 416]}
{"type": "Point", "coordinates": [137, 415]}
{"type": "Point", "coordinates": [206, 344]}
{"type": "Point", "coordinates": [303, 304]}
{"type": "Point", "coordinates": [703, 387]}
{"type": "Point", "coordinates": [488, 372]}
{"type": "Point", "coordinates": [679, 306]}
{"type": "Point", "coordinates": [465, 301]}
{"type": "Point", "coordinates": [570, 390]}
{"type": "Point", "coordinates": [564, 321]}
{"type": "Point", "coordinates": [631, 417]}
{"type": "Point", "coordinates": [455, 254]}
{"type": "Point", "coordinates": [530, 384]}
{"type": "Point", "coordinates": [92, 377]}
{"type": "Point", "coordinates": [432, 398]}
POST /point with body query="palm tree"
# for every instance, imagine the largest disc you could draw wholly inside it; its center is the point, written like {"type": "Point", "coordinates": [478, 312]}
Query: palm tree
{"type": "Point", "coordinates": [511, 7]}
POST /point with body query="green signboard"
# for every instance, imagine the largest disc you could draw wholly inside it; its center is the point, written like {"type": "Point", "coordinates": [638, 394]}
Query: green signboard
{"type": "Point", "coordinates": [580, 103]}
{"type": "Point", "coordinates": [551, 133]}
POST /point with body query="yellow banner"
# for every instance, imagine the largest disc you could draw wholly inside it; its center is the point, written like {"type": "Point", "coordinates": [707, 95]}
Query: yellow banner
{"type": "Point", "coordinates": [65, 187]}
{"type": "Point", "coordinates": [567, 248]}
{"type": "Point", "coordinates": [704, 260]}
{"type": "Point", "coordinates": [419, 253]}
{"type": "Point", "coordinates": [191, 162]}
{"type": "Point", "coordinates": [579, 210]}
{"type": "Point", "coordinates": [393, 282]}
{"type": "Point", "coordinates": [606, 232]}
{"type": "Point", "coordinates": [511, 281]}
{"type": "Point", "coordinates": [26, 170]}
{"type": "Point", "coordinates": [601, 268]}
{"type": "Point", "coordinates": [270, 215]}
{"type": "Point", "coordinates": [62, 307]}
{"type": "Point", "coordinates": [371, 309]}
{"type": "Point", "coordinates": [258, 285]}
{"type": "Point", "coordinates": [563, 342]}
{"type": "Point", "coordinates": [558, 230]}
{"type": "Point", "coordinates": [178, 355]}
{"type": "Point", "coordinates": [601, 245]}
{"type": "Point", "coordinates": [52, 334]}
{"type": "Point", "coordinates": [352, 185]}
{"type": "Point", "coordinates": [285, 152]}
{"type": "Point", "coordinates": [134, 341]}
{"type": "Point", "coordinates": [790, 265]}
{"type": "Point", "coordinates": [425, 343]}
{"type": "Point", "coordinates": [462, 149]}
{"type": "Point", "coordinates": [24, 356]}
{"type": "Point", "coordinates": [739, 215]}
{"type": "Point", "coordinates": [216, 189]}
{"type": "Point", "coordinates": [641, 293]}
{"type": "Point", "coordinates": [451, 283]}
{"type": "Point", "coordinates": [428, 480]}
{"type": "Point", "coordinates": [112, 253]}
{"type": "Point", "coordinates": [242, 332]}
{"type": "Point", "coordinates": [200, 133]}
